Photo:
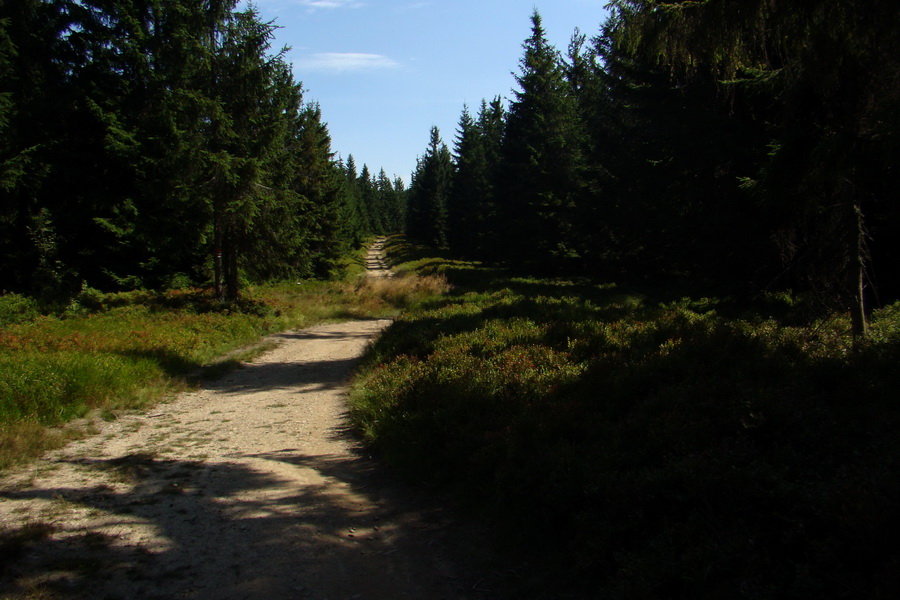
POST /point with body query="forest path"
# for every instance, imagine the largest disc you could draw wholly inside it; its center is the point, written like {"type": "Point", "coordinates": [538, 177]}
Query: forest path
{"type": "Point", "coordinates": [376, 266]}
{"type": "Point", "coordinates": [251, 487]}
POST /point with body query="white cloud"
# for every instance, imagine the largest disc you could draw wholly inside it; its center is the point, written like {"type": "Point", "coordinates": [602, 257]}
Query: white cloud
{"type": "Point", "coordinates": [341, 62]}
{"type": "Point", "coordinates": [310, 5]}
{"type": "Point", "coordinates": [314, 4]}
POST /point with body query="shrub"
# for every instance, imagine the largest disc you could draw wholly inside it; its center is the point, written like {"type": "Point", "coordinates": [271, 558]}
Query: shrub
{"type": "Point", "coordinates": [17, 309]}
{"type": "Point", "coordinates": [650, 451]}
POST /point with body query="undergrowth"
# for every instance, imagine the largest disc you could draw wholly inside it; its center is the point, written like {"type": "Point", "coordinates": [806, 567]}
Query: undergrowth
{"type": "Point", "coordinates": [629, 448]}
{"type": "Point", "coordinates": [103, 353]}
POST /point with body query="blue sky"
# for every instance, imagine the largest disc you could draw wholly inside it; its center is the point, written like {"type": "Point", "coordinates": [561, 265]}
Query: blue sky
{"type": "Point", "coordinates": [385, 71]}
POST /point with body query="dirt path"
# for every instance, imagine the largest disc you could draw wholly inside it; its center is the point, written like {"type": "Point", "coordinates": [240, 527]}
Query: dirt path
{"type": "Point", "coordinates": [376, 264]}
{"type": "Point", "coordinates": [250, 487]}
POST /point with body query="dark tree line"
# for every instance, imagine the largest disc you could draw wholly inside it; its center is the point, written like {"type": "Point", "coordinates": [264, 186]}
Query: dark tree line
{"type": "Point", "coordinates": [746, 143]}
{"type": "Point", "coordinates": [376, 205]}
{"type": "Point", "coordinates": [151, 143]}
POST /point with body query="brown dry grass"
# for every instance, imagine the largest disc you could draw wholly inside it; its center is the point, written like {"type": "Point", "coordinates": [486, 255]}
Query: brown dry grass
{"type": "Point", "coordinates": [405, 290]}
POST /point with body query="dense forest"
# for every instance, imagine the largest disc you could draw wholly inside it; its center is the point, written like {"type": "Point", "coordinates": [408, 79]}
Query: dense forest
{"type": "Point", "coordinates": [163, 143]}
{"type": "Point", "coordinates": [737, 145]}
{"type": "Point", "coordinates": [745, 146]}
{"type": "Point", "coordinates": [624, 339]}
{"type": "Point", "coordinates": [683, 384]}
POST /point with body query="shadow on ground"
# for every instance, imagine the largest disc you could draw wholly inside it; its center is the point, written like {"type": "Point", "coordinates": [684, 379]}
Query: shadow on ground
{"type": "Point", "coordinates": [231, 530]}
{"type": "Point", "coordinates": [242, 525]}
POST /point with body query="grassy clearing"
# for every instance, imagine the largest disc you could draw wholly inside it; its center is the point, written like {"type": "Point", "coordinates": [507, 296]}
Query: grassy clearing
{"type": "Point", "coordinates": [108, 352]}
{"type": "Point", "coordinates": [638, 449]}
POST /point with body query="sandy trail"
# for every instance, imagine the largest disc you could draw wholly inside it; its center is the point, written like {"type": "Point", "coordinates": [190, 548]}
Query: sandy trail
{"type": "Point", "coordinates": [376, 264]}
{"type": "Point", "coordinates": [250, 487]}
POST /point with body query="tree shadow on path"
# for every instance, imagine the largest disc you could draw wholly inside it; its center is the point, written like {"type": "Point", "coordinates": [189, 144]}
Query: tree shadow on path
{"type": "Point", "coordinates": [275, 524]}
{"type": "Point", "coordinates": [233, 530]}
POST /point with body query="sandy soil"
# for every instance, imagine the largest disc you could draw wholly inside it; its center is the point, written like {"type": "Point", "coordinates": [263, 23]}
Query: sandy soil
{"type": "Point", "coordinates": [250, 487]}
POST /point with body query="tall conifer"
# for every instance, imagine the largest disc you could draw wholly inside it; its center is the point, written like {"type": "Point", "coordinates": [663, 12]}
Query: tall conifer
{"type": "Point", "coordinates": [819, 80]}
{"type": "Point", "coordinates": [542, 159]}
{"type": "Point", "coordinates": [429, 193]}
{"type": "Point", "coordinates": [472, 208]}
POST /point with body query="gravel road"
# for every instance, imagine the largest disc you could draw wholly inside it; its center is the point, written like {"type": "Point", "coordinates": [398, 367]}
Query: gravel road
{"type": "Point", "coordinates": [250, 487]}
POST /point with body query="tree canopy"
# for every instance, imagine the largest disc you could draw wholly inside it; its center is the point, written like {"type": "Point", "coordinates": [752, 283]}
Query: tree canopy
{"type": "Point", "coordinates": [742, 146]}
{"type": "Point", "coordinates": [160, 143]}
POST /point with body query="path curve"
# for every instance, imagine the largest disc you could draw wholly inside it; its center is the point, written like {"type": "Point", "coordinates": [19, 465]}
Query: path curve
{"type": "Point", "coordinates": [250, 487]}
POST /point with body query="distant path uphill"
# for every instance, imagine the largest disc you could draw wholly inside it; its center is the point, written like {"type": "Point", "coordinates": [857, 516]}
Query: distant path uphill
{"type": "Point", "coordinates": [251, 487]}
{"type": "Point", "coordinates": [375, 262]}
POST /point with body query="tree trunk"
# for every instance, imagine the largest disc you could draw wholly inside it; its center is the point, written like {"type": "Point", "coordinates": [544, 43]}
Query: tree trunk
{"type": "Point", "coordinates": [858, 318]}
{"type": "Point", "coordinates": [231, 269]}
{"type": "Point", "coordinates": [217, 243]}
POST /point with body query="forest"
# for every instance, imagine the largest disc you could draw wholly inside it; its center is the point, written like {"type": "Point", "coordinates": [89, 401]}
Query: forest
{"type": "Point", "coordinates": [738, 147]}
{"type": "Point", "coordinates": [658, 342]}
{"type": "Point", "coordinates": [165, 144]}
{"type": "Point", "coordinates": [677, 378]}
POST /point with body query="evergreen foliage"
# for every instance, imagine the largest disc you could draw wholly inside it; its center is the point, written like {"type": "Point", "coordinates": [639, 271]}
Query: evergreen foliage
{"type": "Point", "coordinates": [160, 143]}
{"type": "Point", "coordinates": [429, 193]}
{"type": "Point", "coordinates": [815, 84]}
{"type": "Point", "coordinates": [542, 153]}
{"type": "Point", "coordinates": [472, 206]}
{"type": "Point", "coordinates": [739, 146]}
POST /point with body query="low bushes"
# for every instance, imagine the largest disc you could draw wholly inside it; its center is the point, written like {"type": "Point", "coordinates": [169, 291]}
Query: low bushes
{"type": "Point", "coordinates": [105, 352]}
{"type": "Point", "coordinates": [645, 450]}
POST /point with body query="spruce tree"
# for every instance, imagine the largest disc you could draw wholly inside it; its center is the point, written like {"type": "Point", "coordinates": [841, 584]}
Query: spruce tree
{"type": "Point", "coordinates": [356, 218]}
{"type": "Point", "coordinates": [154, 115]}
{"type": "Point", "coordinates": [247, 130]}
{"type": "Point", "coordinates": [542, 160]}
{"type": "Point", "coordinates": [36, 102]}
{"type": "Point", "coordinates": [367, 200]}
{"type": "Point", "coordinates": [389, 204]}
{"type": "Point", "coordinates": [151, 143]}
{"type": "Point", "coordinates": [318, 181]}
{"type": "Point", "coordinates": [461, 205]}
{"type": "Point", "coordinates": [817, 78]}
{"type": "Point", "coordinates": [400, 206]}
{"type": "Point", "coordinates": [429, 192]}
{"type": "Point", "coordinates": [472, 208]}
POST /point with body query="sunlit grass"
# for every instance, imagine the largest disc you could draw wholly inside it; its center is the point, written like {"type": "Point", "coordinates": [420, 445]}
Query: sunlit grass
{"type": "Point", "coordinates": [109, 352]}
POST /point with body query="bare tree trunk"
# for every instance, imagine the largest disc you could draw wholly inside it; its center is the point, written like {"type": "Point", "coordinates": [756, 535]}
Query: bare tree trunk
{"type": "Point", "coordinates": [858, 318]}
{"type": "Point", "coordinates": [232, 286]}
{"type": "Point", "coordinates": [217, 256]}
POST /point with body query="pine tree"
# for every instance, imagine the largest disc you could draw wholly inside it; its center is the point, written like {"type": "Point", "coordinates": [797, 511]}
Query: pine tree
{"type": "Point", "coordinates": [542, 160]}
{"type": "Point", "coordinates": [246, 130]}
{"type": "Point", "coordinates": [318, 181]}
{"type": "Point", "coordinates": [818, 79]}
{"type": "Point", "coordinates": [472, 207]}
{"type": "Point", "coordinates": [429, 192]}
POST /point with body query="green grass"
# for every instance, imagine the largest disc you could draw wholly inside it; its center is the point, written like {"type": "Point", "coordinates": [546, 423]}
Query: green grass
{"type": "Point", "coordinates": [108, 352]}
{"type": "Point", "coordinates": [629, 448]}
